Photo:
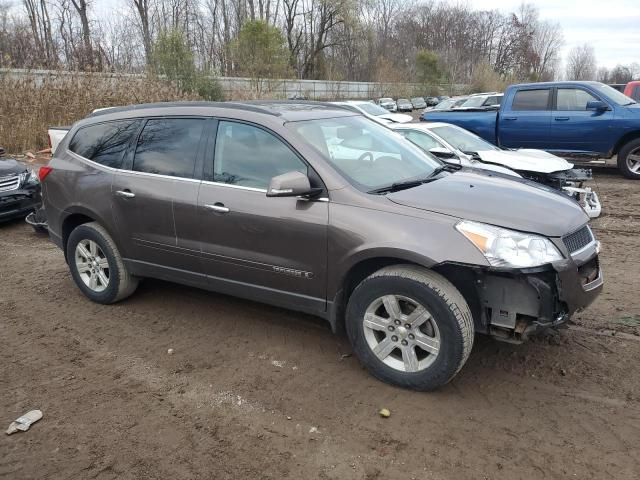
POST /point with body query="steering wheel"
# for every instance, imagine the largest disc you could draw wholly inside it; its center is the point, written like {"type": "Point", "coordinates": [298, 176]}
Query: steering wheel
{"type": "Point", "coordinates": [364, 156]}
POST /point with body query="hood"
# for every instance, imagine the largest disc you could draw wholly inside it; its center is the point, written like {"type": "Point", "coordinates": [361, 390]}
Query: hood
{"type": "Point", "coordinates": [11, 167]}
{"type": "Point", "coordinates": [396, 117]}
{"type": "Point", "coordinates": [497, 200]}
{"type": "Point", "coordinates": [526, 159]}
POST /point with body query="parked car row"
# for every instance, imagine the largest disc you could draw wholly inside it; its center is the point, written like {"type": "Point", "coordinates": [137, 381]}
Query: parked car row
{"type": "Point", "coordinates": [338, 216]}
{"type": "Point", "coordinates": [408, 105]}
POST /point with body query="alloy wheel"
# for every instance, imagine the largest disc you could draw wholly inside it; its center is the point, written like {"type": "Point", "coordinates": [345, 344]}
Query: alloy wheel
{"type": "Point", "coordinates": [92, 265]}
{"type": "Point", "coordinates": [401, 333]}
{"type": "Point", "coordinates": [633, 161]}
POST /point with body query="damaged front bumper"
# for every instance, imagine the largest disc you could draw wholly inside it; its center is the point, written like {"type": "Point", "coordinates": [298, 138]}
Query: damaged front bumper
{"type": "Point", "coordinates": [19, 203]}
{"type": "Point", "coordinates": [520, 302]}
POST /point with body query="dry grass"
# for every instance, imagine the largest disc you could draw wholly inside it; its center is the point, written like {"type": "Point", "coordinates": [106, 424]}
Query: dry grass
{"type": "Point", "coordinates": [30, 104]}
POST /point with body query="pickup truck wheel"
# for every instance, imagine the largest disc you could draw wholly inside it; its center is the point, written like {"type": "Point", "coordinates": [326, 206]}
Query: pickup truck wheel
{"type": "Point", "coordinates": [410, 327]}
{"type": "Point", "coordinates": [96, 265]}
{"type": "Point", "coordinates": [629, 159]}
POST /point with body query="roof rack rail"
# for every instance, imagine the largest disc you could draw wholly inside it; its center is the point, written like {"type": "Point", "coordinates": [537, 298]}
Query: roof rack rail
{"type": "Point", "coordinates": [143, 106]}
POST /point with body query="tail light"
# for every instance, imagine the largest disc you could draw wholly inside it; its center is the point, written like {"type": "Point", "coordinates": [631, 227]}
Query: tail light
{"type": "Point", "coordinates": [43, 172]}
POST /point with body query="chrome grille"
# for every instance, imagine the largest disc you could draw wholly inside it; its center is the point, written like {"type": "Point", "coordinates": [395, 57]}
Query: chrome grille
{"type": "Point", "coordinates": [11, 182]}
{"type": "Point", "coordinates": [578, 239]}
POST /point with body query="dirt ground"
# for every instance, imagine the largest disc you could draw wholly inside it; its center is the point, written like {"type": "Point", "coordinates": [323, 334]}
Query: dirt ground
{"type": "Point", "coordinates": [254, 392]}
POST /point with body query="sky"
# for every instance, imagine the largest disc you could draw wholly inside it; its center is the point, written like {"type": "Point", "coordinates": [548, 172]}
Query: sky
{"type": "Point", "coordinates": [612, 27]}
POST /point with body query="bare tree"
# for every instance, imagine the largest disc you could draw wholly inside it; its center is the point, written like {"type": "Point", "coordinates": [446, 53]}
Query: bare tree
{"type": "Point", "coordinates": [581, 63]}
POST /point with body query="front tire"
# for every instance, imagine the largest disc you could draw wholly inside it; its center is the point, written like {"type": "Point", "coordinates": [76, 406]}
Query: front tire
{"type": "Point", "coordinates": [629, 159]}
{"type": "Point", "coordinates": [410, 327]}
{"type": "Point", "coordinates": [96, 265]}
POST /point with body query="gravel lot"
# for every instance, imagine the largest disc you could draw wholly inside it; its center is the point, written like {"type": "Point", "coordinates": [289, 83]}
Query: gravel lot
{"type": "Point", "coordinates": [256, 392]}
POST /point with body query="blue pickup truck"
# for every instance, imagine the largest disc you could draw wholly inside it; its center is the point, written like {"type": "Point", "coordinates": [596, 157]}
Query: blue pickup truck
{"type": "Point", "coordinates": [574, 119]}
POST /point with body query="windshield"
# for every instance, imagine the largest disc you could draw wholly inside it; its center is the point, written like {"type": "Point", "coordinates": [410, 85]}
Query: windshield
{"type": "Point", "coordinates": [614, 95]}
{"type": "Point", "coordinates": [386, 100]}
{"type": "Point", "coordinates": [368, 155]}
{"type": "Point", "coordinates": [372, 109]}
{"type": "Point", "coordinates": [444, 105]}
{"type": "Point", "coordinates": [474, 101]}
{"type": "Point", "coordinates": [463, 140]}
{"type": "Point", "coordinates": [417, 100]}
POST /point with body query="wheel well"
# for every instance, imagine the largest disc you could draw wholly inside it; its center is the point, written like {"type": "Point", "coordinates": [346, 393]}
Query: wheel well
{"type": "Point", "coordinates": [625, 139]}
{"type": "Point", "coordinates": [462, 277]}
{"type": "Point", "coordinates": [69, 224]}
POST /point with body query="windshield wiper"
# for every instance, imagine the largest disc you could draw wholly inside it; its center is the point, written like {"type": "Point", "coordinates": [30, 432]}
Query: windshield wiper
{"type": "Point", "coordinates": [394, 187]}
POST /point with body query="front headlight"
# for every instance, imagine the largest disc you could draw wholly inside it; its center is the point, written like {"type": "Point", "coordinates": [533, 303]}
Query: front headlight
{"type": "Point", "coordinates": [508, 248]}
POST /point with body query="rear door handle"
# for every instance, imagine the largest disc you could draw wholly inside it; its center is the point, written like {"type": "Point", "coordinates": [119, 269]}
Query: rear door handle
{"type": "Point", "coordinates": [562, 119]}
{"type": "Point", "coordinates": [126, 194]}
{"type": "Point", "coordinates": [511, 119]}
{"type": "Point", "coordinates": [217, 207]}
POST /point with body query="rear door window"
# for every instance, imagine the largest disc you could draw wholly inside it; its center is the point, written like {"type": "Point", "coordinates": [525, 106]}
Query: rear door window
{"type": "Point", "coordinates": [528, 100]}
{"type": "Point", "coordinates": [636, 93]}
{"type": "Point", "coordinates": [169, 146]}
{"type": "Point", "coordinates": [104, 143]}
{"type": "Point", "coordinates": [573, 99]}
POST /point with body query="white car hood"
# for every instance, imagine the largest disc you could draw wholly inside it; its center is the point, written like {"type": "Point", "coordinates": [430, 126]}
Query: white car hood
{"type": "Point", "coordinates": [526, 159]}
{"type": "Point", "coordinates": [396, 117]}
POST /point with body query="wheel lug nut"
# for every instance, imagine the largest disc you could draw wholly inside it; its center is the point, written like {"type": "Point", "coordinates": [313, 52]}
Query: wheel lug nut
{"type": "Point", "coordinates": [403, 342]}
{"type": "Point", "coordinates": [411, 336]}
{"type": "Point", "coordinates": [391, 329]}
{"type": "Point", "coordinates": [394, 338]}
{"type": "Point", "coordinates": [407, 326]}
{"type": "Point", "coordinates": [397, 322]}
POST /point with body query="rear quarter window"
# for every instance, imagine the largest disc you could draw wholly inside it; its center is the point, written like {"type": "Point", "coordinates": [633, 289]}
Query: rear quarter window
{"type": "Point", "coordinates": [104, 143]}
{"type": "Point", "coordinates": [537, 99]}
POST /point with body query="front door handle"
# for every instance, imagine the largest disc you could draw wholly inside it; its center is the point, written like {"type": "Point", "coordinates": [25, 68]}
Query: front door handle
{"type": "Point", "coordinates": [126, 194]}
{"type": "Point", "coordinates": [562, 119]}
{"type": "Point", "coordinates": [217, 207]}
{"type": "Point", "coordinates": [511, 119]}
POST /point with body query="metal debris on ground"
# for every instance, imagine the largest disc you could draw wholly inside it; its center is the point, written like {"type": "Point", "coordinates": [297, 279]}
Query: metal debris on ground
{"type": "Point", "coordinates": [23, 423]}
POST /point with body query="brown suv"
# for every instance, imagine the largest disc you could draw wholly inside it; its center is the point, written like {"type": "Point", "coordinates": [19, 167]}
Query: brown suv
{"type": "Point", "coordinates": [311, 207]}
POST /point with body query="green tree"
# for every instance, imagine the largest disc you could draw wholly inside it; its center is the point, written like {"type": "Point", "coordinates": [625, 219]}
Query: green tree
{"type": "Point", "coordinates": [173, 59]}
{"type": "Point", "coordinates": [427, 68]}
{"type": "Point", "coordinates": [260, 52]}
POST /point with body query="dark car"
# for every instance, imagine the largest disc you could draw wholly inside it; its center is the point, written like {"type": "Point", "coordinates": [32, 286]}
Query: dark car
{"type": "Point", "coordinates": [311, 207]}
{"type": "Point", "coordinates": [432, 101]}
{"type": "Point", "coordinates": [19, 190]}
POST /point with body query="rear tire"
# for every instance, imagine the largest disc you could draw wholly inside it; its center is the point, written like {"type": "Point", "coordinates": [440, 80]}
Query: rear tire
{"type": "Point", "coordinates": [96, 265]}
{"type": "Point", "coordinates": [410, 327]}
{"type": "Point", "coordinates": [629, 159]}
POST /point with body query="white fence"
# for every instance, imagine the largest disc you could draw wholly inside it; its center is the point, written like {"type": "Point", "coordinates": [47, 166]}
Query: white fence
{"type": "Point", "coordinates": [248, 88]}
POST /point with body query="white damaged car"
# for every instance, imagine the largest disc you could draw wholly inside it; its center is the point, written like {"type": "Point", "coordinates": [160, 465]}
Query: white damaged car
{"type": "Point", "coordinates": [453, 144]}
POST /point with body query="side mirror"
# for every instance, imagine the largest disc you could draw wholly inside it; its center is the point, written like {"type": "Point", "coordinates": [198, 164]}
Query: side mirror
{"type": "Point", "coordinates": [291, 184]}
{"type": "Point", "coordinates": [597, 105]}
{"type": "Point", "coordinates": [442, 152]}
